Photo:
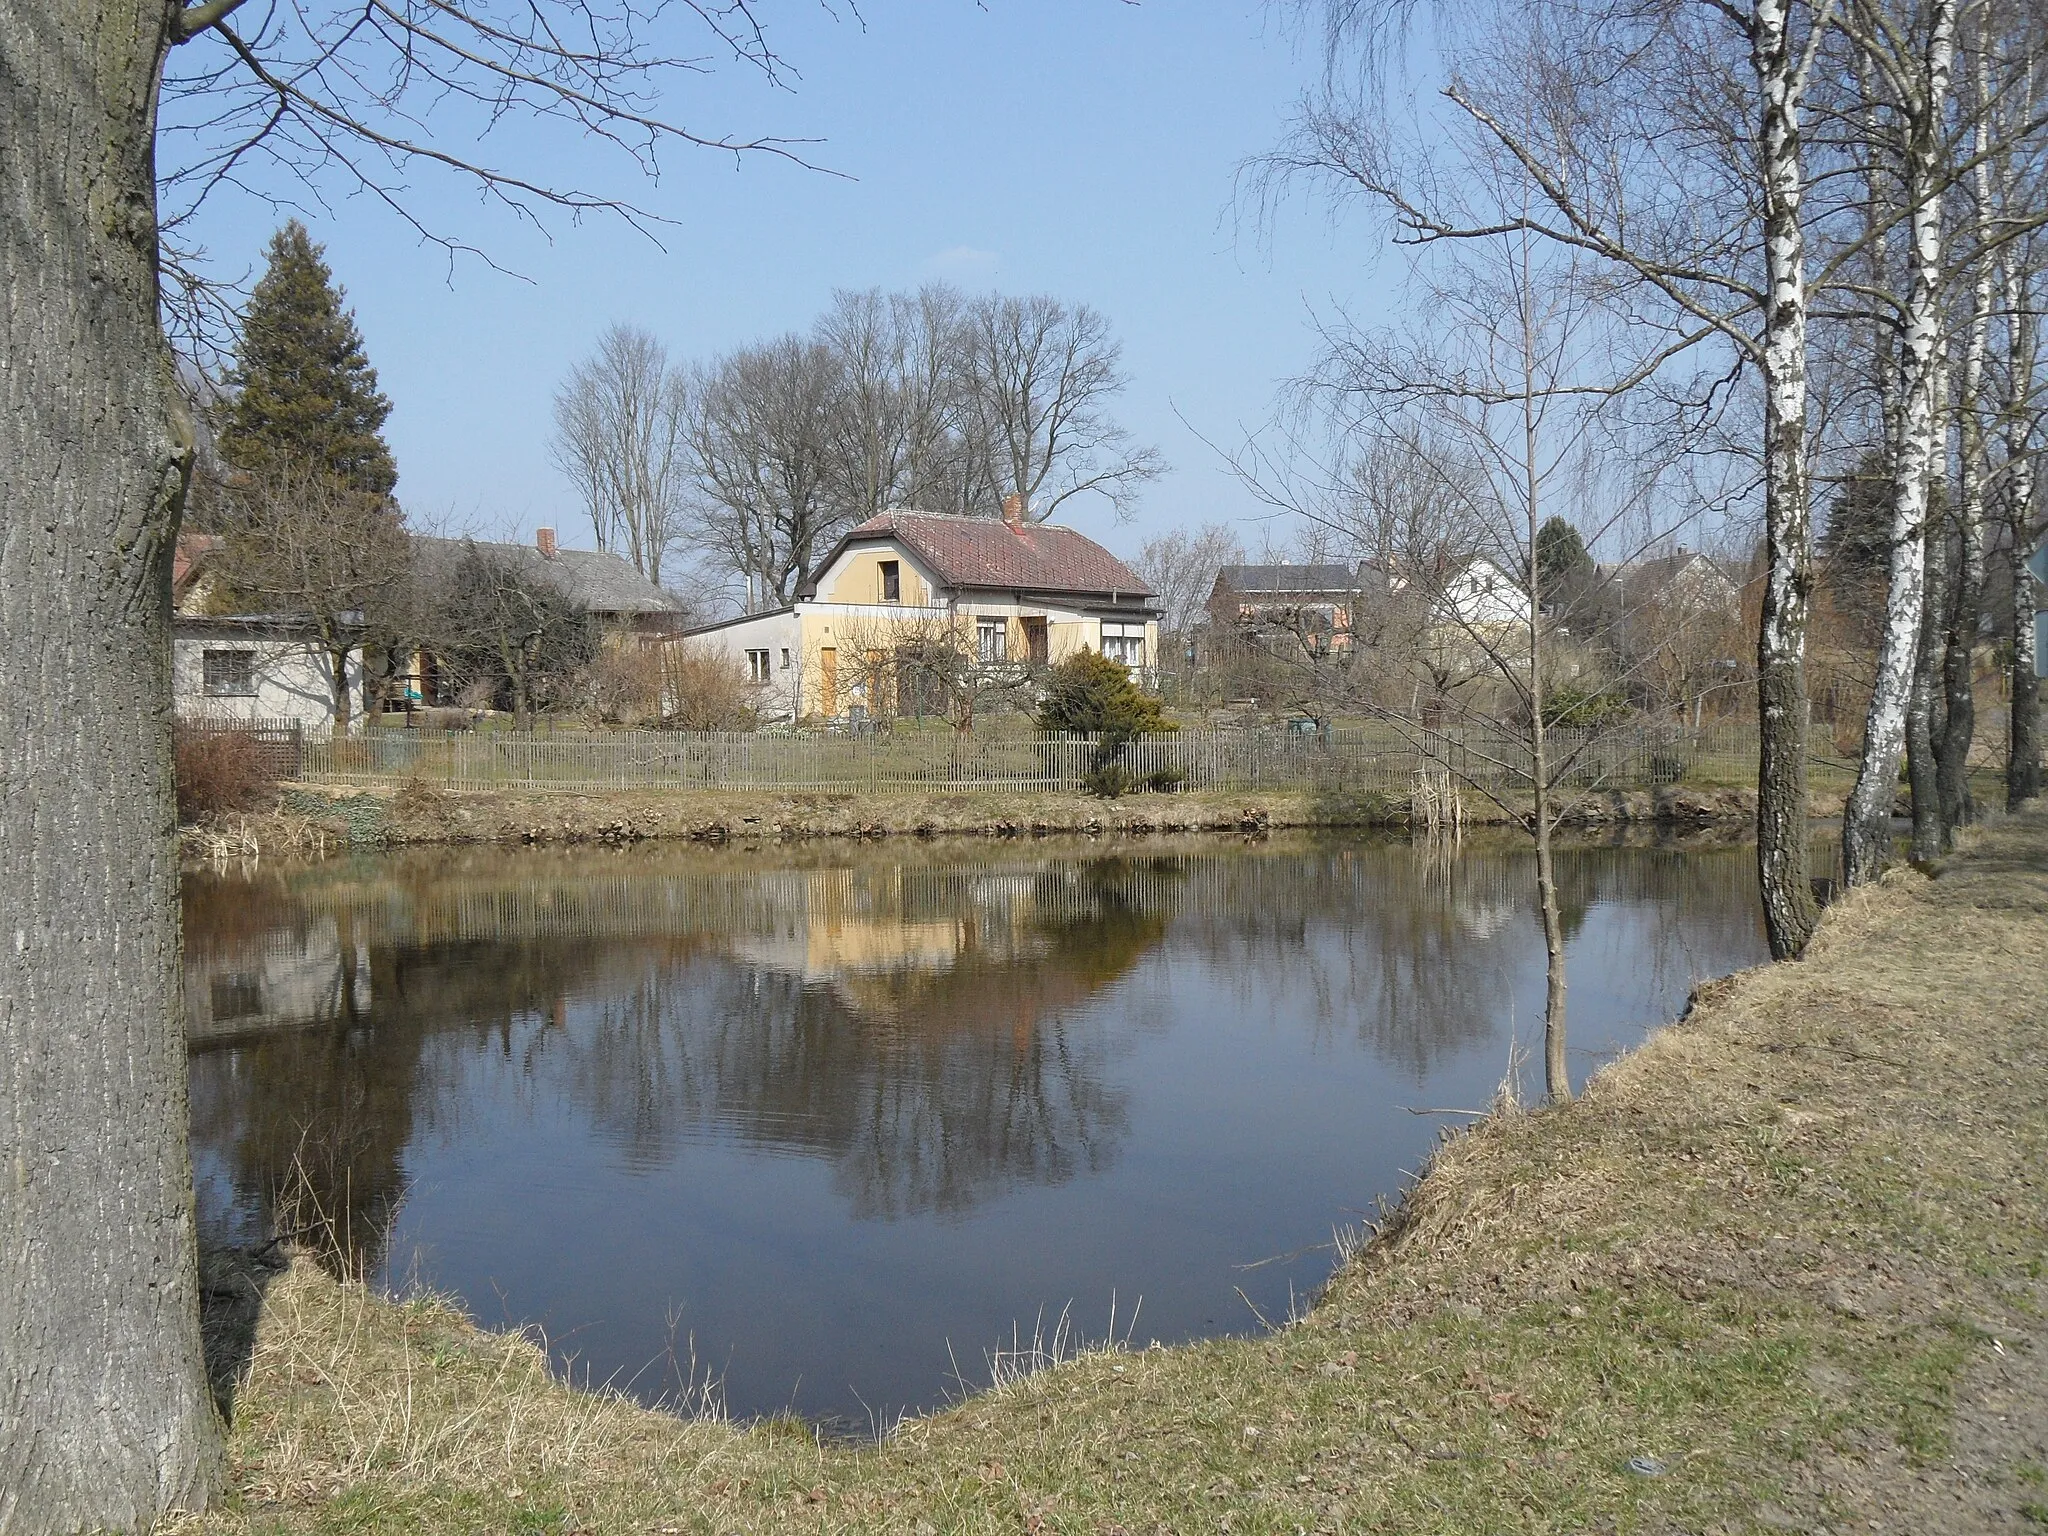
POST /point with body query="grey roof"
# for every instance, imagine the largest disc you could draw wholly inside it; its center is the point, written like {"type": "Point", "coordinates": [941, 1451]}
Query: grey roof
{"type": "Point", "coordinates": [594, 580]}
{"type": "Point", "coordinates": [1254, 580]}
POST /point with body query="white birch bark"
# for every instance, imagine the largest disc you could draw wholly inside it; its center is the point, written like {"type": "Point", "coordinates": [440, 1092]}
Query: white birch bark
{"type": "Point", "coordinates": [1783, 842]}
{"type": "Point", "coordinates": [1958, 665]}
{"type": "Point", "coordinates": [2023, 743]}
{"type": "Point", "coordinates": [1866, 831]}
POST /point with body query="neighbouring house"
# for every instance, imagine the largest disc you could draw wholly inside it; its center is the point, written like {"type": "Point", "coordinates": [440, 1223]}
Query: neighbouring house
{"type": "Point", "coordinates": [1473, 595]}
{"type": "Point", "coordinates": [596, 582]}
{"type": "Point", "coordinates": [248, 666]}
{"type": "Point", "coordinates": [1684, 577]}
{"type": "Point", "coordinates": [998, 596]}
{"type": "Point", "coordinates": [258, 667]}
{"type": "Point", "coordinates": [1285, 604]}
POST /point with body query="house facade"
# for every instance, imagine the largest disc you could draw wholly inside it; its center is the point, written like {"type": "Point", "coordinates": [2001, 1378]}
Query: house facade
{"type": "Point", "coordinates": [259, 667]}
{"type": "Point", "coordinates": [242, 666]}
{"type": "Point", "coordinates": [997, 596]}
{"type": "Point", "coordinates": [1306, 604]}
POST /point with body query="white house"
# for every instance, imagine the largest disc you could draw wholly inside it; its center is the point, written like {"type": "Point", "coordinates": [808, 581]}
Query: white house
{"type": "Point", "coordinates": [258, 667]}
{"type": "Point", "coordinates": [1003, 593]}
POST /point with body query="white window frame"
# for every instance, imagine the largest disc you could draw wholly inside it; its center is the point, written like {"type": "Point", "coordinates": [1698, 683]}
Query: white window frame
{"type": "Point", "coordinates": [992, 641]}
{"type": "Point", "coordinates": [757, 665]}
{"type": "Point", "coordinates": [1124, 642]}
{"type": "Point", "coordinates": [892, 574]}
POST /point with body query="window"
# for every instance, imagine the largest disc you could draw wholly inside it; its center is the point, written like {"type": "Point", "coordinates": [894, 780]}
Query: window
{"type": "Point", "coordinates": [993, 637]}
{"type": "Point", "coordinates": [892, 581]}
{"type": "Point", "coordinates": [785, 658]}
{"type": "Point", "coordinates": [1124, 643]}
{"type": "Point", "coordinates": [229, 673]}
{"type": "Point", "coordinates": [757, 666]}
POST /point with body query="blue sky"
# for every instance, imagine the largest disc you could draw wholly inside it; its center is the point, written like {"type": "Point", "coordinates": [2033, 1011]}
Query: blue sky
{"type": "Point", "coordinates": [1084, 148]}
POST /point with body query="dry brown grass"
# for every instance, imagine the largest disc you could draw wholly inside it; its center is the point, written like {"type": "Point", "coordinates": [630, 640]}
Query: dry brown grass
{"type": "Point", "coordinates": [1773, 1252]}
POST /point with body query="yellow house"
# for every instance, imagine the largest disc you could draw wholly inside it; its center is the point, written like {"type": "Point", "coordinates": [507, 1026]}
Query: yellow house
{"type": "Point", "coordinates": [994, 596]}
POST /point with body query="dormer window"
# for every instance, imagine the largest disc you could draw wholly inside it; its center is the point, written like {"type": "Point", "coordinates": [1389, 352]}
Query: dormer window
{"type": "Point", "coordinates": [892, 581]}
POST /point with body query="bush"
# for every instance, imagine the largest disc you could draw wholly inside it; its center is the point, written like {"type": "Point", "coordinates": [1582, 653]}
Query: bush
{"type": "Point", "coordinates": [1166, 781]}
{"type": "Point", "coordinates": [1091, 693]}
{"type": "Point", "coordinates": [623, 685]}
{"type": "Point", "coordinates": [1107, 780]}
{"type": "Point", "coordinates": [704, 691]}
{"type": "Point", "coordinates": [220, 771]}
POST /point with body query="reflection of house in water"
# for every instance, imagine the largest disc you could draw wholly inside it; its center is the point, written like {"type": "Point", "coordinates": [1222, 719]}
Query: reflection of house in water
{"type": "Point", "coordinates": [276, 978]}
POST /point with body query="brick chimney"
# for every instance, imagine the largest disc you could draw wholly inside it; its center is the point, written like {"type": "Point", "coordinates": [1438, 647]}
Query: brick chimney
{"type": "Point", "coordinates": [1013, 511]}
{"type": "Point", "coordinates": [544, 541]}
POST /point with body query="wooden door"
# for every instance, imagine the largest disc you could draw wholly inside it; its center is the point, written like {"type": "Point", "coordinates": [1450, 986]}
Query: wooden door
{"type": "Point", "coordinates": [828, 682]}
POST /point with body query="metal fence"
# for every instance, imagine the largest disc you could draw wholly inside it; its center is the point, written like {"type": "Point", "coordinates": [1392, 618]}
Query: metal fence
{"type": "Point", "coordinates": [1359, 759]}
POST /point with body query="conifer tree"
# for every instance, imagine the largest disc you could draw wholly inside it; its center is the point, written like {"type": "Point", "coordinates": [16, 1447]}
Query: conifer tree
{"type": "Point", "coordinates": [305, 397]}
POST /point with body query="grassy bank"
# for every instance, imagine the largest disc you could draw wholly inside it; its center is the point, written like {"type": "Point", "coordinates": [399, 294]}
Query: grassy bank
{"type": "Point", "coordinates": [317, 820]}
{"type": "Point", "coordinates": [1789, 1257]}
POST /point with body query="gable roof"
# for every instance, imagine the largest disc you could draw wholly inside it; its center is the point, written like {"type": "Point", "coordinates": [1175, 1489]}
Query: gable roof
{"type": "Point", "coordinates": [595, 581]}
{"type": "Point", "coordinates": [988, 552]}
{"type": "Point", "coordinates": [1284, 579]}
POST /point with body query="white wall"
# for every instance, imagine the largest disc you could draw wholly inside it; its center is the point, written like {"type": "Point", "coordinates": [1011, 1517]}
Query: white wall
{"type": "Point", "coordinates": [290, 678]}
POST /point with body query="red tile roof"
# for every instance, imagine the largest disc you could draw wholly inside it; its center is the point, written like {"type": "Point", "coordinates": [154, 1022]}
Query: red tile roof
{"type": "Point", "coordinates": [190, 548]}
{"type": "Point", "coordinates": [988, 552]}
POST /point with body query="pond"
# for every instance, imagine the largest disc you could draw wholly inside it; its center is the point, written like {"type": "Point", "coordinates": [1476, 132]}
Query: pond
{"type": "Point", "coordinates": [836, 1125]}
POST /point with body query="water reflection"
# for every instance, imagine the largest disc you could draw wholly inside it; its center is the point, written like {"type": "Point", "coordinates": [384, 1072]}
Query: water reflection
{"type": "Point", "coordinates": [838, 1109]}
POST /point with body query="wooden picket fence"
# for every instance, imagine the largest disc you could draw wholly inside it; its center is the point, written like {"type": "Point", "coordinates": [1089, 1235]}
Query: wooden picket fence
{"type": "Point", "coordinates": [280, 744]}
{"type": "Point", "coordinates": [1357, 759]}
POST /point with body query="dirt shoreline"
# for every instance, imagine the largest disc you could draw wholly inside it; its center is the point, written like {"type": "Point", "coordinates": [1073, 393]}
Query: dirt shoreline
{"type": "Point", "coordinates": [316, 820]}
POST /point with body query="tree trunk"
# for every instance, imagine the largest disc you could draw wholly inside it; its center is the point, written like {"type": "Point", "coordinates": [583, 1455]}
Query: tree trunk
{"type": "Point", "coordinates": [1923, 727]}
{"type": "Point", "coordinates": [1783, 840]}
{"type": "Point", "coordinates": [1966, 588]}
{"type": "Point", "coordinates": [2023, 742]}
{"type": "Point", "coordinates": [1866, 821]}
{"type": "Point", "coordinates": [1557, 1078]}
{"type": "Point", "coordinates": [105, 1418]}
{"type": "Point", "coordinates": [337, 664]}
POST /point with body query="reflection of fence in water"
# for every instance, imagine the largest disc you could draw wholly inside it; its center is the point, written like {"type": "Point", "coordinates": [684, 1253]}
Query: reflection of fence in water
{"type": "Point", "coordinates": [1357, 759]}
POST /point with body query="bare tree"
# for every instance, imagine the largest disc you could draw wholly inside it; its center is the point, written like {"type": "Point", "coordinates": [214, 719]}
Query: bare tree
{"type": "Point", "coordinates": [299, 543]}
{"type": "Point", "coordinates": [100, 1359]}
{"type": "Point", "coordinates": [621, 425]}
{"type": "Point", "coordinates": [1915, 63]}
{"type": "Point", "coordinates": [1667, 143]}
{"type": "Point", "coordinates": [1038, 376]}
{"type": "Point", "coordinates": [500, 631]}
{"type": "Point", "coordinates": [1180, 567]}
{"type": "Point", "coordinates": [763, 457]}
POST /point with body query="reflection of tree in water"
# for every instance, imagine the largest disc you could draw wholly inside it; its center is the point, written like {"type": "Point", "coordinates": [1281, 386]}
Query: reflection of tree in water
{"type": "Point", "coordinates": [920, 1019]}
{"type": "Point", "coordinates": [1417, 951]}
{"type": "Point", "coordinates": [311, 1123]}
{"type": "Point", "coordinates": [930, 1089]}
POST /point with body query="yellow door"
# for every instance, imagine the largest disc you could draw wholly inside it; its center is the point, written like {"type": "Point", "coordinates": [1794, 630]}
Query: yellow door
{"type": "Point", "coordinates": [828, 682]}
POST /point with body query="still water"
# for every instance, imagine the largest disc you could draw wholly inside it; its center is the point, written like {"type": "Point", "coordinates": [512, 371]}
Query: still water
{"type": "Point", "coordinates": [833, 1122]}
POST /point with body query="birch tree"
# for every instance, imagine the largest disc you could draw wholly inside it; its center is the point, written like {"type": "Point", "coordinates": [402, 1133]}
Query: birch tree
{"type": "Point", "coordinates": [1914, 63]}
{"type": "Point", "coordinates": [1667, 143]}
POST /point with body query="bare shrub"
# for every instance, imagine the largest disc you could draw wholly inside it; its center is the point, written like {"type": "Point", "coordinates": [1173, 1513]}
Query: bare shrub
{"type": "Point", "coordinates": [624, 685]}
{"type": "Point", "coordinates": [219, 771]}
{"type": "Point", "coordinates": [704, 691]}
